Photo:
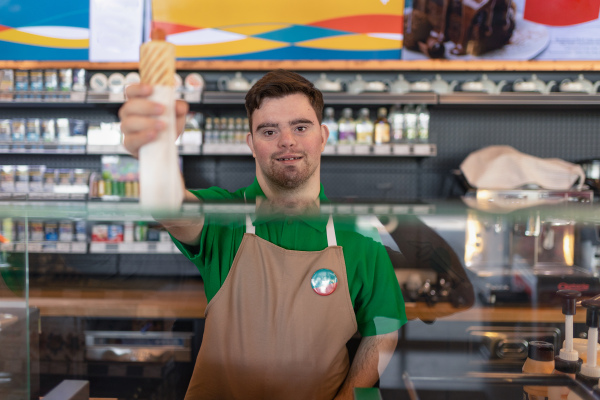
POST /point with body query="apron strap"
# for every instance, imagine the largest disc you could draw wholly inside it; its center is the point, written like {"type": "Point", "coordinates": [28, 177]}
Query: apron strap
{"type": "Point", "coordinates": [331, 240]}
{"type": "Point", "coordinates": [249, 227]}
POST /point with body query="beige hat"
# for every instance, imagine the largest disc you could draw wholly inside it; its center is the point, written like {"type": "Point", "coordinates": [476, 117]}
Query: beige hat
{"type": "Point", "coordinates": [503, 167]}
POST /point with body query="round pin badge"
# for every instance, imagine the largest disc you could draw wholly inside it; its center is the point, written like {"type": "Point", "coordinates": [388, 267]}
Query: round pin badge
{"type": "Point", "coordinates": [324, 282]}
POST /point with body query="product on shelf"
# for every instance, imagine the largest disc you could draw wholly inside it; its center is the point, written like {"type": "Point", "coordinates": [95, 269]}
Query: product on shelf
{"type": "Point", "coordinates": [364, 127]}
{"type": "Point", "coordinates": [5, 130]}
{"type": "Point", "coordinates": [474, 27]}
{"type": "Point", "coordinates": [382, 127]}
{"type": "Point", "coordinates": [331, 124]}
{"type": "Point", "coordinates": [99, 82]}
{"type": "Point", "coordinates": [65, 79]}
{"type": "Point", "coordinates": [7, 82]}
{"type": "Point", "coordinates": [21, 83]}
{"type": "Point", "coordinates": [347, 127]}
{"type": "Point", "coordinates": [116, 82]}
{"type": "Point", "coordinates": [36, 83]}
{"type": "Point", "coordinates": [79, 76]}
{"type": "Point", "coordinates": [22, 179]}
{"type": "Point", "coordinates": [410, 123]}
{"type": "Point", "coordinates": [36, 178]}
{"type": "Point", "coordinates": [423, 123]}
{"type": "Point", "coordinates": [18, 129]}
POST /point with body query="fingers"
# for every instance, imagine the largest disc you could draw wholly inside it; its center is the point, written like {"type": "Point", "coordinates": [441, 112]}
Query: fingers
{"type": "Point", "coordinates": [137, 90]}
{"type": "Point", "coordinates": [181, 110]}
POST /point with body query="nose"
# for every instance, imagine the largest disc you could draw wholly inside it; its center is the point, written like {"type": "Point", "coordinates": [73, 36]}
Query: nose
{"type": "Point", "coordinates": [287, 138]}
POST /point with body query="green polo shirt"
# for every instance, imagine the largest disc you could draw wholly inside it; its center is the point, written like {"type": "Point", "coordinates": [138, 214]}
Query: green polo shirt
{"type": "Point", "coordinates": [374, 288]}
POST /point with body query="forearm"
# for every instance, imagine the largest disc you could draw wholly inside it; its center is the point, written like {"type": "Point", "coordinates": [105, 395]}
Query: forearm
{"type": "Point", "coordinates": [185, 230]}
{"type": "Point", "coordinates": [372, 357]}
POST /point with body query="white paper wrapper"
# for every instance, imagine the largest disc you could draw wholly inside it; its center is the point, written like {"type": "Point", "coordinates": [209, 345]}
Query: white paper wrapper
{"type": "Point", "coordinates": [161, 186]}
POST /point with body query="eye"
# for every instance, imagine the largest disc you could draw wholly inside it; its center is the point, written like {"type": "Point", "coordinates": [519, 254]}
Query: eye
{"type": "Point", "coordinates": [268, 133]}
{"type": "Point", "coordinates": [302, 128]}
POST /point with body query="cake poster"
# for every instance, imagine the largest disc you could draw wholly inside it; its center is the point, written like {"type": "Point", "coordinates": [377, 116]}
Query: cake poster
{"type": "Point", "coordinates": [44, 30]}
{"type": "Point", "coordinates": [282, 30]}
{"type": "Point", "coordinates": [502, 29]}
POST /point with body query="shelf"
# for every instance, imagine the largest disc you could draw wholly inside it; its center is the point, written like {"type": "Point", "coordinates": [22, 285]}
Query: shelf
{"type": "Point", "coordinates": [333, 65]}
{"type": "Point", "coordinates": [54, 98]}
{"type": "Point", "coordinates": [334, 98]}
{"type": "Point", "coordinates": [40, 148]}
{"type": "Point", "coordinates": [46, 247]}
{"type": "Point", "coordinates": [520, 98]}
{"type": "Point", "coordinates": [133, 248]}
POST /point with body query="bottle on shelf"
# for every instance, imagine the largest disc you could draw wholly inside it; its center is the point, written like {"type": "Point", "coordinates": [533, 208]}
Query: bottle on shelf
{"type": "Point", "coordinates": [331, 124]}
{"type": "Point", "coordinates": [422, 123]}
{"type": "Point", "coordinates": [364, 127]}
{"type": "Point", "coordinates": [209, 131]}
{"type": "Point", "coordinates": [540, 360]}
{"type": "Point", "coordinates": [567, 361]}
{"type": "Point", "coordinates": [230, 130]}
{"type": "Point", "coordinates": [590, 371]}
{"type": "Point", "coordinates": [240, 134]}
{"type": "Point", "coordinates": [347, 127]}
{"type": "Point", "coordinates": [410, 124]}
{"type": "Point", "coordinates": [382, 127]}
{"type": "Point", "coordinates": [396, 119]}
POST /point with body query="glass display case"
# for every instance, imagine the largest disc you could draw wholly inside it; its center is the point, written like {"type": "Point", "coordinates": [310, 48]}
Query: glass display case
{"type": "Point", "coordinates": [97, 292]}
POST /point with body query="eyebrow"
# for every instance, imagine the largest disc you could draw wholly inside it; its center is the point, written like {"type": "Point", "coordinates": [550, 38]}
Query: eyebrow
{"type": "Point", "coordinates": [292, 122]}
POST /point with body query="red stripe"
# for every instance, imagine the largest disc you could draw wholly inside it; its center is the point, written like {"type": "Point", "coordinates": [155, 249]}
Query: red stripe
{"type": "Point", "coordinates": [170, 28]}
{"type": "Point", "coordinates": [374, 23]}
{"type": "Point", "coordinates": [3, 28]}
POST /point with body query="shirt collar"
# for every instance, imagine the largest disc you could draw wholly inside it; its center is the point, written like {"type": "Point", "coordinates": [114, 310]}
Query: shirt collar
{"type": "Point", "coordinates": [318, 222]}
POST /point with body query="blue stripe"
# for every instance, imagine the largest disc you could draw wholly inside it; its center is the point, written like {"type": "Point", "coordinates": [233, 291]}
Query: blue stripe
{"type": "Point", "coordinates": [22, 13]}
{"type": "Point", "coordinates": [22, 52]}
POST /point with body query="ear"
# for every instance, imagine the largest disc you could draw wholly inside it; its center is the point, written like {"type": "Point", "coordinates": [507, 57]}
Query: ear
{"type": "Point", "coordinates": [250, 143]}
{"type": "Point", "coordinates": [324, 136]}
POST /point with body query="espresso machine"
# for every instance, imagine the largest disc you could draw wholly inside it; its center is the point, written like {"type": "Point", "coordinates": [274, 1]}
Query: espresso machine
{"type": "Point", "coordinates": [524, 245]}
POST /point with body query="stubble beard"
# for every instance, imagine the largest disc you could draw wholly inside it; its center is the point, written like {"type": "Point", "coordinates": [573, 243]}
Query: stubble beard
{"type": "Point", "coordinates": [289, 177]}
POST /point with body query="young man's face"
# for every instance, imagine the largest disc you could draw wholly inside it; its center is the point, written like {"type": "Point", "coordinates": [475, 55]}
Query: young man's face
{"type": "Point", "coordinates": [287, 141]}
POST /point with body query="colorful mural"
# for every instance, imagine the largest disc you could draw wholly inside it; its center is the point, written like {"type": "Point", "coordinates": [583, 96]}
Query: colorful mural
{"type": "Point", "coordinates": [44, 30]}
{"type": "Point", "coordinates": [282, 30]}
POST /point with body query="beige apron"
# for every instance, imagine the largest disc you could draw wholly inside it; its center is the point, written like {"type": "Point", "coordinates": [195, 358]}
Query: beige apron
{"type": "Point", "coordinates": [268, 335]}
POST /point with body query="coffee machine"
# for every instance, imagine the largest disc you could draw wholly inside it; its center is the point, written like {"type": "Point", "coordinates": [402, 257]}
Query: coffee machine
{"type": "Point", "coordinates": [524, 245]}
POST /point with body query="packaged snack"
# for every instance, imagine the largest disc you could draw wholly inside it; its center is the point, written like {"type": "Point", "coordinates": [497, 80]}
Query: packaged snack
{"type": "Point", "coordinates": [51, 231]}
{"type": "Point", "coordinates": [36, 83]}
{"type": "Point", "coordinates": [65, 79]}
{"type": "Point", "coordinates": [115, 233]}
{"type": "Point", "coordinates": [99, 82]}
{"type": "Point", "coordinates": [5, 130]}
{"type": "Point", "coordinates": [51, 83]}
{"type": "Point", "coordinates": [65, 231]}
{"type": "Point", "coordinates": [21, 82]}
{"type": "Point", "coordinates": [79, 80]}
{"type": "Point", "coordinates": [48, 130]}
{"type": "Point", "coordinates": [36, 178]}
{"type": "Point", "coordinates": [18, 129]}
{"type": "Point", "coordinates": [21, 230]}
{"type": "Point", "coordinates": [33, 130]}
{"type": "Point", "coordinates": [8, 229]}
{"type": "Point", "coordinates": [80, 230]}
{"type": "Point", "coordinates": [7, 81]}
{"type": "Point", "coordinates": [65, 177]}
{"type": "Point", "coordinates": [116, 82]}
{"type": "Point", "coordinates": [22, 179]}
{"type": "Point", "coordinates": [100, 233]}
{"type": "Point", "coordinates": [62, 130]}
{"type": "Point", "coordinates": [81, 177]}
{"type": "Point", "coordinates": [37, 230]}
{"type": "Point", "coordinates": [7, 178]}
{"type": "Point", "coordinates": [50, 179]}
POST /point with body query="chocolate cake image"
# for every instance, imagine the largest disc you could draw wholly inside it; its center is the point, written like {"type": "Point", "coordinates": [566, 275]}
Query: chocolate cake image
{"type": "Point", "coordinates": [473, 26]}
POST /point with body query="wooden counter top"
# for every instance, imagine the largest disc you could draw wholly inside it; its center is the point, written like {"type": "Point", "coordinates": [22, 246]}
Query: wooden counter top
{"type": "Point", "coordinates": [187, 300]}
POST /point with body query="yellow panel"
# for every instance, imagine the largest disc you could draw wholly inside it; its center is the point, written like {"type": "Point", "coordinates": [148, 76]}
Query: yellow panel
{"type": "Point", "coordinates": [222, 13]}
{"type": "Point", "coordinates": [249, 45]}
{"type": "Point", "coordinates": [14, 36]}
{"type": "Point", "coordinates": [352, 42]}
{"type": "Point", "coordinates": [254, 29]}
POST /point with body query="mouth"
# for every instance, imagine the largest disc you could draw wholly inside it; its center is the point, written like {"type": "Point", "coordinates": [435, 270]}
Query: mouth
{"type": "Point", "coordinates": [288, 159]}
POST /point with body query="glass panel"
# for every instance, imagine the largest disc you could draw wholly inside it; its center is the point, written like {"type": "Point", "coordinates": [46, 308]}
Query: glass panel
{"type": "Point", "coordinates": [122, 308]}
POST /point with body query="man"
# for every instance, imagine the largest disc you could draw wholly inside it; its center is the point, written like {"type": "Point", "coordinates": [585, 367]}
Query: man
{"type": "Point", "coordinates": [288, 289]}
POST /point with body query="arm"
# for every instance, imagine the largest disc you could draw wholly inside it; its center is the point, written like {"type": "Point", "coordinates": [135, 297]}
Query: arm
{"type": "Point", "coordinates": [140, 125]}
{"type": "Point", "coordinates": [372, 357]}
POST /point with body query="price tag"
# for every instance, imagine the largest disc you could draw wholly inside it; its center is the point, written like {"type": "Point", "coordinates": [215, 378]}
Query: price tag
{"type": "Point", "coordinates": [140, 247]}
{"type": "Point", "coordinates": [401, 149]}
{"type": "Point", "coordinates": [63, 247]}
{"type": "Point", "coordinates": [164, 247]}
{"type": "Point", "coordinates": [329, 149]}
{"type": "Point", "coordinates": [382, 209]}
{"type": "Point", "coordinates": [97, 247]}
{"type": "Point", "coordinates": [361, 209]}
{"type": "Point", "coordinates": [79, 247]}
{"type": "Point", "coordinates": [344, 209]}
{"type": "Point", "coordinates": [362, 149]}
{"type": "Point", "coordinates": [112, 247]}
{"type": "Point", "coordinates": [116, 97]}
{"type": "Point", "coordinates": [421, 150]}
{"type": "Point", "coordinates": [126, 248]}
{"type": "Point", "coordinates": [152, 247]}
{"type": "Point", "coordinates": [20, 247]}
{"type": "Point", "coordinates": [345, 149]}
{"type": "Point", "coordinates": [6, 247]}
{"type": "Point", "coordinates": [34, 247]}
{"type": "Point", "coordinates": [400, 210]}
{"type": "Point", "coordinates": [420, 209]}
{"type": "Point", "coordinates": [382, 150]}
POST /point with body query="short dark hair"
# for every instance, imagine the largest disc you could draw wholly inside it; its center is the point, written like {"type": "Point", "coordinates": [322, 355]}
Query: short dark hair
{"type": "Point", "coordinates": [280, 83]}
